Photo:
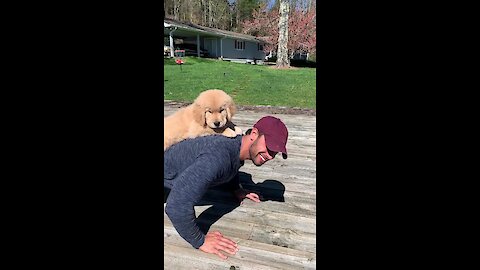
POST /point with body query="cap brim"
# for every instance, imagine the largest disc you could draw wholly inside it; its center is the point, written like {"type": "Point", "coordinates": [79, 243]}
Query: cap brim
{"type": "Point", "coordinates": [284, 155]}
{"type": "Point", "coordinates": [275, 147]}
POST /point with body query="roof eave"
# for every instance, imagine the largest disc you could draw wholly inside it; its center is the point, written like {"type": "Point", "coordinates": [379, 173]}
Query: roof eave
{"type": "Point", "coordinates": [210, 32]}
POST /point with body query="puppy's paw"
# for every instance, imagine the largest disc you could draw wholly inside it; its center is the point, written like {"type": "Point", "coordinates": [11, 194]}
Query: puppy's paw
{"type": "Point", "coordinates": [238, 131]}
{"type": "Point", "coordinates": [229, 133]}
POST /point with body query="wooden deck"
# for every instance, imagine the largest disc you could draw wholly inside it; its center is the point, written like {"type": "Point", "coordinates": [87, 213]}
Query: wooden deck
{"type": "Point", "coordinates": [279, 233]}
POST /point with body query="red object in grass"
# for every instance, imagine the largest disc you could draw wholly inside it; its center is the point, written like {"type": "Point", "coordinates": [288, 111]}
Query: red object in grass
{"type": "Point", "coordinates": [179, 61]}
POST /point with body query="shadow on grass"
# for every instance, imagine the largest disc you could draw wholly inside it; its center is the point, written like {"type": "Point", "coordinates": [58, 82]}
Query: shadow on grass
{"type": "Point", "coordinates": [222, 201]}
{"type": "Point", "coordinates": [302, 63]}
{"type": "Point", "coordinates": [187, 60]}
{"type": "Point", "coordinates": [299, 63]}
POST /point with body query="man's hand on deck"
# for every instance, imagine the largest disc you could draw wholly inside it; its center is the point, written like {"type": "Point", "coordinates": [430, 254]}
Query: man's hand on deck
{"type": "Point", "coordinates": [215, 242]}
{"type": "Point", "coordinates": [242, 194]}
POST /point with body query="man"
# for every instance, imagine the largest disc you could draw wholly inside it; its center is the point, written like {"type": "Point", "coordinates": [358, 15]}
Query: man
{"type": "Point", "coordinates": [194, 165]}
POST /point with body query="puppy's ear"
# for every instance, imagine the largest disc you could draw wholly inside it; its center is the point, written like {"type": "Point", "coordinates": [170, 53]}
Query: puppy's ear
{"type": "Point", "coordinates": [231, 110]}
{"type": "Point", "coordinates": [199, 114]}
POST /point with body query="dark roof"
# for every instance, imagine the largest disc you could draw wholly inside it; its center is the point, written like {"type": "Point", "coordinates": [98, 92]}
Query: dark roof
{"type": "Point", "coordinates": [214, 31]}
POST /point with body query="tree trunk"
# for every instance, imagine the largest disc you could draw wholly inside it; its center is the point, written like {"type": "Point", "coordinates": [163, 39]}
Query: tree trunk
{"type": "Point", "coordinates": [231, 13]}
{"type": "Point", "coordinates": [205, 14]}
{"type": "Point", "coordinates": [175, 11]}
{"type": "Point", "coordinates": [237, 6]}
{"type": "Point", "coordinates": [190, 13]}
{"type": "Point", "coordinates": [210, 17]}
{"type": "Point", "coordinates": [282, 53]}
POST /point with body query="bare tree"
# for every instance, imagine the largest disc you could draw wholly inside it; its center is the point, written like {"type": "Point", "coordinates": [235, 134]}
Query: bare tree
{"type": "Point", "coordinates": [175, 9]}
{"type": "Point", "coordinates": [282, 52]}
{"type": "Point", "coordinates": [222, 14]}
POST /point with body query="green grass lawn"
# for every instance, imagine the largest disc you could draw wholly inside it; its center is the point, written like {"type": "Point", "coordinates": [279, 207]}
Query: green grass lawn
{"type": "Point", "coordinates": [247, 84]}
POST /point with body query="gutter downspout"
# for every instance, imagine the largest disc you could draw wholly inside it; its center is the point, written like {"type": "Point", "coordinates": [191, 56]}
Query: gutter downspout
{"type": "Point", "coordinates": [172, 50]}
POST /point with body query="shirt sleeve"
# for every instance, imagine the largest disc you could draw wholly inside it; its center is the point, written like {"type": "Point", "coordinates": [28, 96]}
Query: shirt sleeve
{"type": "Point", "coordinates": [187, 190]}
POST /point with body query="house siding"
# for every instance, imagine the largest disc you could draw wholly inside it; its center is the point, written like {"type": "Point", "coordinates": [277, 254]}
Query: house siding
{"type": "Point", "coordinates": [212, 45]}
{"type": "Point", "coordinates": [250, 52]}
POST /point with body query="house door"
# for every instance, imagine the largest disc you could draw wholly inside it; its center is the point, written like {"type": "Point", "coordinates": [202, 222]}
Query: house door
{"type": "Point", "coordinates": [211, 46]}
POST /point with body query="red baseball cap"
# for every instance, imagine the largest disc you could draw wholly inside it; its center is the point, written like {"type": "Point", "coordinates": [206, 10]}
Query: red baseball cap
{"type": "Point", "coordinates": [275, 132]}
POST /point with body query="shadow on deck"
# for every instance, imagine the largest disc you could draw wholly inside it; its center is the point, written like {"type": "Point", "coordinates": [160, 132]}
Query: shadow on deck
{"type": "Point", "coordinates": [222, 201]}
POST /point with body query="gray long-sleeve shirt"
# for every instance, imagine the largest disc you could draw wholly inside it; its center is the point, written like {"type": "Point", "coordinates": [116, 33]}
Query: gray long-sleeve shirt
{"type": "Point", "coordinates": [190, 168]}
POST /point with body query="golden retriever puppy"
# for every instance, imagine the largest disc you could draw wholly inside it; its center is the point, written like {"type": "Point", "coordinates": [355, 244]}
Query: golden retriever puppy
{"type": "Point", "coordinates": [210, 113]}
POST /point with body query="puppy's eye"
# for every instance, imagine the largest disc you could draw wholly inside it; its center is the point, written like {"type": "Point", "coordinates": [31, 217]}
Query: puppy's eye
{"type": "Point", "coordinates": [221, 110]}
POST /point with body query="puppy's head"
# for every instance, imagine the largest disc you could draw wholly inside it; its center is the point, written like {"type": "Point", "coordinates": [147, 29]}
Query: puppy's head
{"type": "Point", "coordinates": [214, 108]}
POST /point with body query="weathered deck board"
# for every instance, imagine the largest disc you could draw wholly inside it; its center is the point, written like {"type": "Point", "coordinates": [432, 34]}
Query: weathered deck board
{"type": "Point", "coordinates": [274, 234]}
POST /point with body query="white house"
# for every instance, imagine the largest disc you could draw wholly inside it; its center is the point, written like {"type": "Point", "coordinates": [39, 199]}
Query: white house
{"type": "Point", "coordinates": [217, 43]}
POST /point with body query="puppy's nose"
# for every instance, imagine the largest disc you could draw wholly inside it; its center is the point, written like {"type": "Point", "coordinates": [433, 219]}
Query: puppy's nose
{"type": "Point", "coordinates": [216, 124]}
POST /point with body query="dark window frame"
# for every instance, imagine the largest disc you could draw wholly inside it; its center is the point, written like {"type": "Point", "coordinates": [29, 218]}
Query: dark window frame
{"type": "Point", "coordinates": [239, 45]}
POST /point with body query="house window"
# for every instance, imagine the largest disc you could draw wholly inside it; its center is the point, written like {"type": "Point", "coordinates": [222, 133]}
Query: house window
{"type": "Point", "coordinates": [239, 45]}
{"type": "Point", "coordinates": [260, 47]}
